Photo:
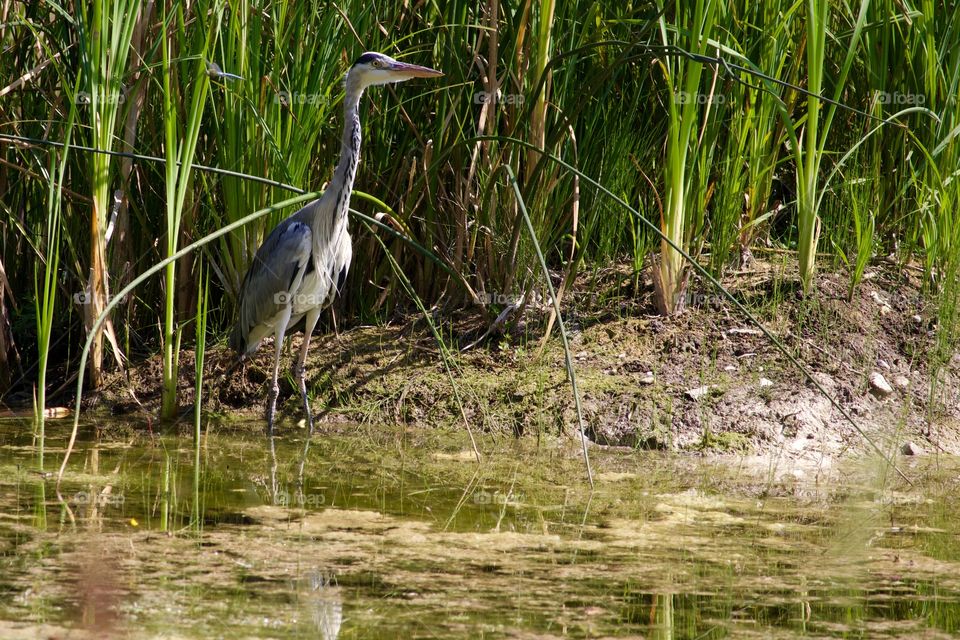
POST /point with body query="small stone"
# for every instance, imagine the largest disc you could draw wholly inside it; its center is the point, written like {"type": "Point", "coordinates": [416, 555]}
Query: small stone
{"type": "Point", "coordinates": [730, 368]}
{"type": "Point", "coordinates": [765, 382]}
{"type": "Point", "coordinates": [901, 382]}
{"type": "Point", "coordinates": [911, 449]}
{"type": "Point", "coordinates": [879, 384]}
{"type": "Point", "coordinates": [916, 318]}
{"type": "Point", "coordinates": [698, 392]}
{"type": "Point", "coordinates": [883, 364]}
{"type": "Point", "coordinates": [748, 331]}
{"type": "Point", "coordinates": [647, 378]}
{"type": "Point", "coordinates": [885, 309]}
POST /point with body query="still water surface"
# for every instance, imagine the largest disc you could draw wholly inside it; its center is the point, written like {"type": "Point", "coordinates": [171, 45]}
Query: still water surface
{"type": "Point", "coordinates": [382, 533]}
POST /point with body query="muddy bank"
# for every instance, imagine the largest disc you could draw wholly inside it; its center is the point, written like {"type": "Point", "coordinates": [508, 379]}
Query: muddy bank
{"type": "Point", "coordinates": [705, 381]}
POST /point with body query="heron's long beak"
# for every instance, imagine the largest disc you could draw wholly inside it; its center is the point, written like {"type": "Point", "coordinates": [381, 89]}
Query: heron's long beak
{"type": "Point", "coordinates": [414, 71]}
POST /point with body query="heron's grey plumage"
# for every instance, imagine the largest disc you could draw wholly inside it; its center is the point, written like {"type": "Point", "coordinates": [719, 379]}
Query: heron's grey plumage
{"type": "Point", "coordinates": [301, 266]}
{"type": "Point", "coordinates": [290, 239]}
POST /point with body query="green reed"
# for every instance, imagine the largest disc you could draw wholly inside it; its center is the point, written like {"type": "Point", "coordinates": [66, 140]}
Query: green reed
{"type": "Point", "coordinates": [105, 28]}
{"type": "Point", "coordinates": [686, 167]}
{"type": "Point", "coordinates": [184, 98]}
{"type": "Point", "coordinates": [45, 286]}
{"type": "Point", "coordinates": [810, 140]}
{"type": "Point", "coordinates": [203, 304]}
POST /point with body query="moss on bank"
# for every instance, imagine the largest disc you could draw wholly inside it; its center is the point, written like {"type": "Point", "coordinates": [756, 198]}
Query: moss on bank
{"type": "Point", "coordinates": [702, 381]}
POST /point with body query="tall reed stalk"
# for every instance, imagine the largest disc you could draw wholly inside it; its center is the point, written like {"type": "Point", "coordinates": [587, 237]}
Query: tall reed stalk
{"type": "Point", "coordinates": [203, 308]}
{"type": "Point", "coordinates": [810, 148]}
{"type": "Point", "coordinates": [691, 30]}
{"type": "Point", "coordinates": [180, 147]}
{"type": "Point", "coordinates": [45, 285]}
{"type": "Point", "coordinates": [105, 28]}
{"type": "Point", "coordinates": [542, 46]}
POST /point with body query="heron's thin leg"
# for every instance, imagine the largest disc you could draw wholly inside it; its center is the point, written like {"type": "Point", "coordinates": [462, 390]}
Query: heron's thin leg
{"type": "Point", "coordinates": [300, 369]}
{"type": "Point", "coordinates": [275, 388]}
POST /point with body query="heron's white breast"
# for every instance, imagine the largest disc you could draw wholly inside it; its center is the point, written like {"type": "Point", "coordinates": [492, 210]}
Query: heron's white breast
{"type": "Point", "coordinates": [314, 292]}
{"type": "Point", "coordinates": [319, 287]}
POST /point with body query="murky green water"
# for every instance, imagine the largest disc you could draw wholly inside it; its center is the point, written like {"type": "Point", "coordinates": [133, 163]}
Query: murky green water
{"type": "Point", "coordinates": [379, 533]}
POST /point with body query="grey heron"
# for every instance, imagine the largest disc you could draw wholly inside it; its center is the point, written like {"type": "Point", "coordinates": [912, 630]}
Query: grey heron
{"type": "Point", "coordinates": [302, 265]}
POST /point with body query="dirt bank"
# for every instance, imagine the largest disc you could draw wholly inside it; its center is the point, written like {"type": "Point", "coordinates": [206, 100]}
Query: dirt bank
{"type": "Point", "coordinates": [705, 381]}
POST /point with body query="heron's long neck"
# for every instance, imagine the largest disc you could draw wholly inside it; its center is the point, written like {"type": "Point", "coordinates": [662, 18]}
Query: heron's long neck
{"type": "Point", "coordinates": [342, 182]}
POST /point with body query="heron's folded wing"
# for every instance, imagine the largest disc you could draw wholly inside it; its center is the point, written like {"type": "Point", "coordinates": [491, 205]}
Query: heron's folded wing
{"type": "Point", "coordinates": [269, 281]}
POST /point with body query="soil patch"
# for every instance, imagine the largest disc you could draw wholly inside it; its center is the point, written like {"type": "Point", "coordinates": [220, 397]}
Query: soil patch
{"type": "Point", "coordinates": [703, 381]}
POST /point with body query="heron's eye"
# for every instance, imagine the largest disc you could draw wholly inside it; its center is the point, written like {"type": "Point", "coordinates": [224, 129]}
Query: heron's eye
{"type": "Point", "coordinates": [377, 64]}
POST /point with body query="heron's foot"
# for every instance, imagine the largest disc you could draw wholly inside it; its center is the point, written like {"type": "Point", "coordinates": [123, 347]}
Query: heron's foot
{"type": "Point", "coordinates": [272, 408]}
{"type": "Point", "coordinates": [301, 377]}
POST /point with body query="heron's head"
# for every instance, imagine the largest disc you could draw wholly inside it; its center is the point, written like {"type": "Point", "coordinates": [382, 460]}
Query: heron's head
{"type": "Point", "coordinates": [376, 68]}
